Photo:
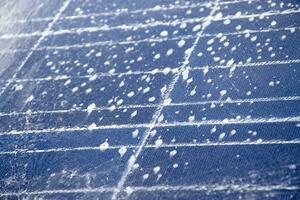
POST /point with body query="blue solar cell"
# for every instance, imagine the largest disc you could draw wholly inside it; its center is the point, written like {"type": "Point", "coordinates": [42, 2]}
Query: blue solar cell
{"type": "Point", "coordinates": [230, 133]}
{"type": "Point", "coordinates": [209, 195]}
{"type": "Point", "coordinates": [73, 139]}
{"type": "Point", "coordinates": [178, 13]}
{"type": "Point", "coordinates": [106, 92]}
{"type": "Point", "coordinates": [150, 100]}
{"type": "Point", "coordinates": [100, 6]}
{"type": "Point", "coordinates": [213, 165]}
{"type": "Point", "coordinates": [78, 169]}
{"type": "Point", "coordinates": [257, 110]}
{"type": "Point", "coordinates": [256, 47]}
{"type": "Point", "coordinates": [233, 83]}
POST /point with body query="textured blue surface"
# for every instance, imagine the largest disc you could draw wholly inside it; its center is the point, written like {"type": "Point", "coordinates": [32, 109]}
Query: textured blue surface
{"type": "Point", "coordinates": [152, 99]}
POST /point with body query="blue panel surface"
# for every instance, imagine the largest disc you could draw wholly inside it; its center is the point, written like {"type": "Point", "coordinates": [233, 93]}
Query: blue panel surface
{"type": "Point", "coordinates": [128, 99]}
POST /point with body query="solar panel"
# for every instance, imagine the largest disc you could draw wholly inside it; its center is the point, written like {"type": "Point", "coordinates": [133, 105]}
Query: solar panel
{"type": "Point", "coordinates": [150, 99]}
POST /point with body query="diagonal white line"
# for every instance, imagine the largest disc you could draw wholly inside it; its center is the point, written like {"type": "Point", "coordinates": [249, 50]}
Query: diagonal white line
{"type": "Point", "coordinates": [165, 99]}
{"type": "Point", "coordinates": [29, 54]}
{"type": "Point", "coordinates": [150, 125]}
{"type": "Point", "coordinates": [216, 187]}
{"type": "Point", "coordinates": [36, 45]}
{"type": "Point", "coordinates": [231, 101]}
{"type": "Point", "coordinates": [151, 146]}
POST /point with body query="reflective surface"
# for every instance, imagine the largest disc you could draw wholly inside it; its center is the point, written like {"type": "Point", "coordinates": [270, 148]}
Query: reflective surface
{"type": "Point", "coordinates": [150, 99]}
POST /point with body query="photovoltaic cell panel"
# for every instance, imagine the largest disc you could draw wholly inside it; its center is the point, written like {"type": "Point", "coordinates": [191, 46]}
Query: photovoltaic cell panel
{"type": "Point", "coordinates": [151, 100]}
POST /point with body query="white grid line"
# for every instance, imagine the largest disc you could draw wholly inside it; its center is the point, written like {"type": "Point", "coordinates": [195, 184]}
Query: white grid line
{"type": "Point", "coordinates": [157, 71]}
{"type": "Point", "coordinates": [139, 106]}
{"type": "Point", "coordinates": [62, 130]}
{"type": "Point", "coordinates": [161, 39]}
{"type": "Point", "coordinates": [216, 187]}
{"type": "Point", "coordinates": [165, 99]}
{"type": "Point", "coordinates": [242, 188]}
{"type": "Point", "coordinates": [126, 11]}
{"type": "Point", "coordinates": [151, 146]}
{"type": "Point", "coordinates": [51, 192]}
{"type": "Point", "coordinates": [42, 37]}
{"type": "Point", "coordinates": [149, 40]}
{"type": "Point", "coordinates": [136, 26]}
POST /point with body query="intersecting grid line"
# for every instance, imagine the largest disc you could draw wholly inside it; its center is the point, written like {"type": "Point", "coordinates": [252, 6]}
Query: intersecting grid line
{"type": "Point", "coordinates": [150, 146]}
{"type": "Point", "coordinates": [166, 70]}
{"type": "Point", "coordinates": [165, 99]}
{"type": "Point", "coordinates": [261, 120]}
{"type": "Point", "coordinates": [37, 43]}
{"type": "Point", "coordinates": [126, 11]}
{"type": "Point", "coordinates": [147, 25]}
{"type": "Point", "coordinates": [150, 105]}
{"type": "Point", "coordinates": [147, 40]}
{"type": "Point", "coordinates": [166, 102]}
{"type": "Point", "coordinates": [129, 106]}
